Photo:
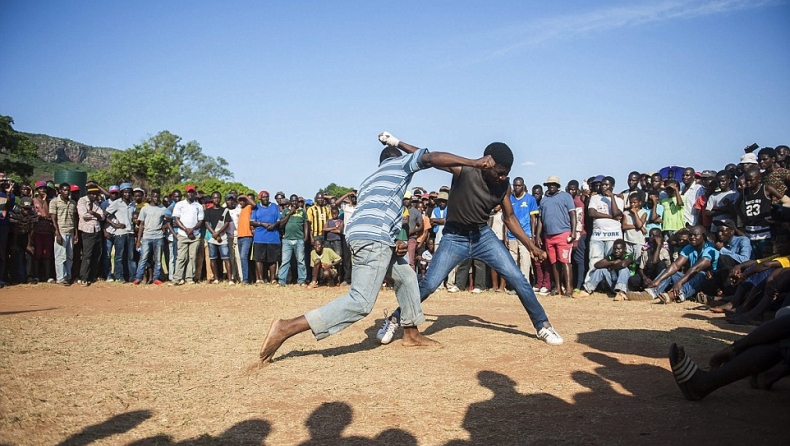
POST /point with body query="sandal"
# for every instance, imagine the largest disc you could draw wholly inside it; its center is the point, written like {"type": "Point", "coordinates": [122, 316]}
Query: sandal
{"type": "Point", "coordinates": [683, 370]}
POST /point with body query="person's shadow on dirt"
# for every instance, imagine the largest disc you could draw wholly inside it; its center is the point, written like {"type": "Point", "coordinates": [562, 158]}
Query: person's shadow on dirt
{"type": "Point", "coordinates": [443, 322]}
{"type": "Point", "coordinates": [111, 426]}
{"type": "Point", "coordinates": [653, 343]}
{"type": "Point", "coordinates": [244, 433]}
{"type": "Point", "coordinates": [328, 421]}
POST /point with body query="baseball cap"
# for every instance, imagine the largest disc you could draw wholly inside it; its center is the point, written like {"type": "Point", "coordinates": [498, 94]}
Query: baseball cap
{"type": "Point", "coordinates": [725, 222]}
{"type": "Point", "coordinates": [93, 190]}
{"type": "Point", "coordinates": [443, 196]}
{"type": "Point", "coordinates": [189, 187]}
{"type": "Point", "coordinates": [125, 186]}
{"type": "Point", "coordinates": [262, 193]}
{"type": "Point", "coordinates": [407, 195]}
{"type": "Point", "coordinates": [749, 158]}
{"type": "Point", "coordinates": [26, 202]}
{"type": "Point", "coordinates": [75, 188]}
{"type": "Point", "coordinates": [229, 196]}
{"type": "Point", "coordinates": [138, 189]}
{"type": "Point", "coordinates": [41, 183]}
{"type": "Point", "coordinates": [114, 188]}
{"type": "Point", "coordinates": [598, 179]}
{"type": "Point", "coordinates": [553, 179]}
{"type": "Point", "coordinates": [308, 202]}
{"type": "Point", "coordinates": [708, 174]}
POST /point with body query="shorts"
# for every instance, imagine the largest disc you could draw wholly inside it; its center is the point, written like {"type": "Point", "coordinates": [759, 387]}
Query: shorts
{"type": "Point", "coordinates": [43, 246]}
{"type": "Point", "coordinates": [265, 252]}
{"type": "Point", "coordinates": [558, 248]}
{"type": "Point", "coordinates": [220, 251]}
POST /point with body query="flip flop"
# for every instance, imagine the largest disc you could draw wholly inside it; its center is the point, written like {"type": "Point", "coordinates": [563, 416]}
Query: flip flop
{"type": "Point", "coordinates": [683, 371]}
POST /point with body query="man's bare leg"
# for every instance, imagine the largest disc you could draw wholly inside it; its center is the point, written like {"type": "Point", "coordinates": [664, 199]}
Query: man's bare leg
{"type": "Point", "coordinates": [279, 331]}
{"type": "Point", "coordinates": [413, 338]}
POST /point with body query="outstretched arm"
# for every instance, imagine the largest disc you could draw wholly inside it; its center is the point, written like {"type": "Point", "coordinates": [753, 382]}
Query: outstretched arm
{"type": "Point", "coordinates": [439, 160]}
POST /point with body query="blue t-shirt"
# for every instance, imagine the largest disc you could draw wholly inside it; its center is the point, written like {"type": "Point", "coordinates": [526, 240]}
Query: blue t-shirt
{"type": "Point", "coordinates": [379, 210]}
{"type": "Point", "coordinates": [708, 251]}
{"type": "Point", "coordinates": [648, 225]}
{"type": "Point", "coordinates": [269, 214]}
{"type": "Point", "coordinates": [439, 213]}
{"type": "Point", "coordinates": [523, 207]}
{"type": "Point", "coordinates": [554, 212]}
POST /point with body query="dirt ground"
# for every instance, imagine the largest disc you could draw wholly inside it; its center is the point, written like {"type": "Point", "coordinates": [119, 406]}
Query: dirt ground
{"type": "Point", "coordinates": [118, 364]}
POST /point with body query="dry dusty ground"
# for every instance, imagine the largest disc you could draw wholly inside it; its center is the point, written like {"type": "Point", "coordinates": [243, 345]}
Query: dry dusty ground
{"type": "Point", "coordinates": [118, 364]}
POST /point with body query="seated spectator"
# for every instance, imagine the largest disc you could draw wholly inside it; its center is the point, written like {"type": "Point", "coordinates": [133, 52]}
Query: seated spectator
{"type": "Point", "coordinates": [773, 296]}
{"type": "Point", "coordinates": [653, 261]}
{"type": "Point", "coordinates": [325, 262]}
{"type": "Point", "coordinates": [614, 271]}
{"type": "Point", "coordinates": [701, 255]}
{"type": "Point", "coordinates": [762, 354]}
{"type": "Point", "coordinates": [733, 249]}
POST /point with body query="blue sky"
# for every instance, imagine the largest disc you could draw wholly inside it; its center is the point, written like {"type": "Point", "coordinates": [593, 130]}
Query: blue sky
{"type": "Point", "coordinates": [293, 94]}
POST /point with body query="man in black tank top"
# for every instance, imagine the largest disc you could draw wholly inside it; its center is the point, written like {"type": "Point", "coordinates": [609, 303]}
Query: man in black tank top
{"type": "Point", "coordinates": [474, 193]}
{"type": "Point", "coordinates": [754, 207]}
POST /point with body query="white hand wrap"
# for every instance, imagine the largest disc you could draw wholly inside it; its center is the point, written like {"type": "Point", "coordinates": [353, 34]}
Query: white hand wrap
{"type": "Point", "coordinates": [388, 140]}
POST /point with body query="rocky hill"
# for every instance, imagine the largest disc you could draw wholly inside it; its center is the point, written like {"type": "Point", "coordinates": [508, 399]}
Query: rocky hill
{"type": "Point", "coordinates": [53, 151]}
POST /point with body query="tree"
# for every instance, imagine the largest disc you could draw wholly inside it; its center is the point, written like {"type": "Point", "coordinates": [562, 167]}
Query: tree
{"type": "Point", "coordinates": [164, 161]}
{"type": "Point", "coordinates": [335, 190]}
{"type": "Point", "coordinates": [17, 152]}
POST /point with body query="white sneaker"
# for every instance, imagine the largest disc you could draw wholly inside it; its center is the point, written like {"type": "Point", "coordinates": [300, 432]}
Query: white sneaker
{"type": "Point", "coordinates": [549, 335]}
{"type": "Point", "coordinates": [543, 291]}
{"type": "Point", "coordinates": [476, 291]}
{"type": "Point", "coordinates": [387, 330]}
{"type": "Point", "coordinates": [452, 289]}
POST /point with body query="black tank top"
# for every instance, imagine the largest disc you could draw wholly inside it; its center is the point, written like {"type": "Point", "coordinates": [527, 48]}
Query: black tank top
{"type": "Point", "coordinates": [472, 199]}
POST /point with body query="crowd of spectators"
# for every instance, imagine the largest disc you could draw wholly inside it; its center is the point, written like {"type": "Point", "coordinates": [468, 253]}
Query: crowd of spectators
{"type": "Point", "coordinates": [720, 237]}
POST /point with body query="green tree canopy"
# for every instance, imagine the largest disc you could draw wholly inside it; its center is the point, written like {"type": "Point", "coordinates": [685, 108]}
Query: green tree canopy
{"type": "Point", "coordinates": [336, 190]}
{"type": "Point", "coordinates": [163, 160]}
{"type": "Point", "coordinates": [17, 151]}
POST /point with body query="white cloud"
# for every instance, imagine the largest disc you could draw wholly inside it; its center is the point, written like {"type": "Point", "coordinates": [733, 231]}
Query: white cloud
{"type": "Point", "coordinates": [528, 163]}
{"type": "Point", "coordinates": [569, 26]}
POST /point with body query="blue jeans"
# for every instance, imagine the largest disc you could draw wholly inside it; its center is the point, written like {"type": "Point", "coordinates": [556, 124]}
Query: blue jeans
{"type": "Point", "coordinates": [150, 245]}
{"type": "Point", "coordinates": [107, 245]}
{"type": "Point", "coordinates": [579, 255]}
{"type": "Point", "coordinates": [171, 264]}
{"type": "Point", "coordinates": [485, 246]}
{"type": "Point", "coordinates": [617, 280]}
{"type": "Point", "coordinates": [125, 266]}
{"type": "Point", "coordinates": [245, 245]}
{"type": "Point", "coordinates": [289, 248]}
{"type": "Point", "coordinates": [370, 259]}
{"type": "Point", "coordinates": [599, 249]}
{"type": "Point", "coordinates": [64, 254]}
{"type": "Point", "coordinates": [689, 288]}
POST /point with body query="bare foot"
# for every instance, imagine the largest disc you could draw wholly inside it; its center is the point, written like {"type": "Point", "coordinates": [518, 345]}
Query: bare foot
{"type": "Point", "coordinates": [274, 339]}
{"type": "Point", "coordinates": [413, 338]}
{"type": "Point", "coordinates": [726, 308]}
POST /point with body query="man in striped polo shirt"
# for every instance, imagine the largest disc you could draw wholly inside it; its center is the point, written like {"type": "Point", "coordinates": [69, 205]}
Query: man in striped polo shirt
{"type": "Point", "coordinates": [371, 236]}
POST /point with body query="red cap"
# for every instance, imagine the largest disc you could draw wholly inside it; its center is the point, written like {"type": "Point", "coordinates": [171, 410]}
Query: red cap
{"type": "Point", "coordinates": [75, 188]}
{"type": "Point", "coordinates": [190, 188]}
{"type": "Point", "coordinates": [262, 193]}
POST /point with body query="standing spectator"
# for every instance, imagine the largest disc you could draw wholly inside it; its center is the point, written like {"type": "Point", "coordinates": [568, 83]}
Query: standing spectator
{"type": "Point", "coordinates": [525, 208]}
{"type": "Point", "coordinates": [558, 222]}
{"type": "Point", "coordinates": [348, 204]}
{"type": "Point", "coordinates": [654, 212]}
{"type": "Point", "coordinates": [415, 227]}
{"type": "Point", "coordinates": [108, 232]}
{"type": "Point", "coordinates": [90, 217]}
{"type": "Point", "coordinates": [120, 215]}
{"type": "Point", "coordinates": [172, 234]}
{"type": "Point", "coordinates": [634, 230]}
{"type": "Point", "coordinates": [317, 215]}
{"type": "Point", "coordinates": [6, 206]}
{"type": "Point", "coordinates": [606, 212]}
{"type": "Point", "coordinates": [188, 217]}
{"type": "Point", "coordinates": [497, 225]}
{"type": "Point", "coordinates": [64, 219]}
{"type": "Point", "coordinates": [266, 239]}
{"type": "Point", "coordinates": [691, 191]}
{"type": "Point", "coordinates": [295, 221]}
{"type": "Point", "coordinates": [23, 219]}
{"type": "Point", "coordinates": [579, 236]}
{"type": "Point", "coordinates": [438, 216]}
{"type": "Point", "coordinates": [153, 223]}
{"type": "Point", "coordinates": [633, 186]}
{"type": "Point", "coordinates": [244, 235]}
{"type": "Point", "coordinates": [773, 174]}
{"type": "Point", "coordinates": [672, 219]}
{"type": "Point", "coordinates": [333, 231]}
{"type": "Point", "coordinates": [232, 235]}
{"type": "Point", "coordinates": [43, 235]}
{"type": "Point", "coordinates": [754, 207]}
{"type": "Point", "coordinates": [721, 205]}
{"type": "Point", "coordinates": [217, 220]}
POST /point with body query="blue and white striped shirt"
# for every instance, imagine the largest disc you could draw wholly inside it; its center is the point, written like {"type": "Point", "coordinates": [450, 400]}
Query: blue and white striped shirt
{"type": "Point", "coordinates": [379, 210]}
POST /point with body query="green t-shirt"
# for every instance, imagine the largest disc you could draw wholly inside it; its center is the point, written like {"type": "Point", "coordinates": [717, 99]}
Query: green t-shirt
{"type": "Point", "coordinates": [673, 214]}
{"type": "Point", "coordinates": [294, 228]}
{"type": "Point", "coordinates": [631, 266]}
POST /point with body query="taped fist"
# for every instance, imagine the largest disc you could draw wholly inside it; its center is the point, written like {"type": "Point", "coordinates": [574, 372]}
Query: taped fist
{"type": "Point", "coordinates": [388, 140]}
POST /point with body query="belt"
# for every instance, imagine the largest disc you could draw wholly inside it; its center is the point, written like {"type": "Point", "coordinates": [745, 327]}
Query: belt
{"type": "Point", "coordinates": [462, 230]}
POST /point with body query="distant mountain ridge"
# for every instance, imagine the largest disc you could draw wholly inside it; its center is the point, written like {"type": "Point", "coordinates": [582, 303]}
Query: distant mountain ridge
{"type": "Point", "coordinates": [62, 153]}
